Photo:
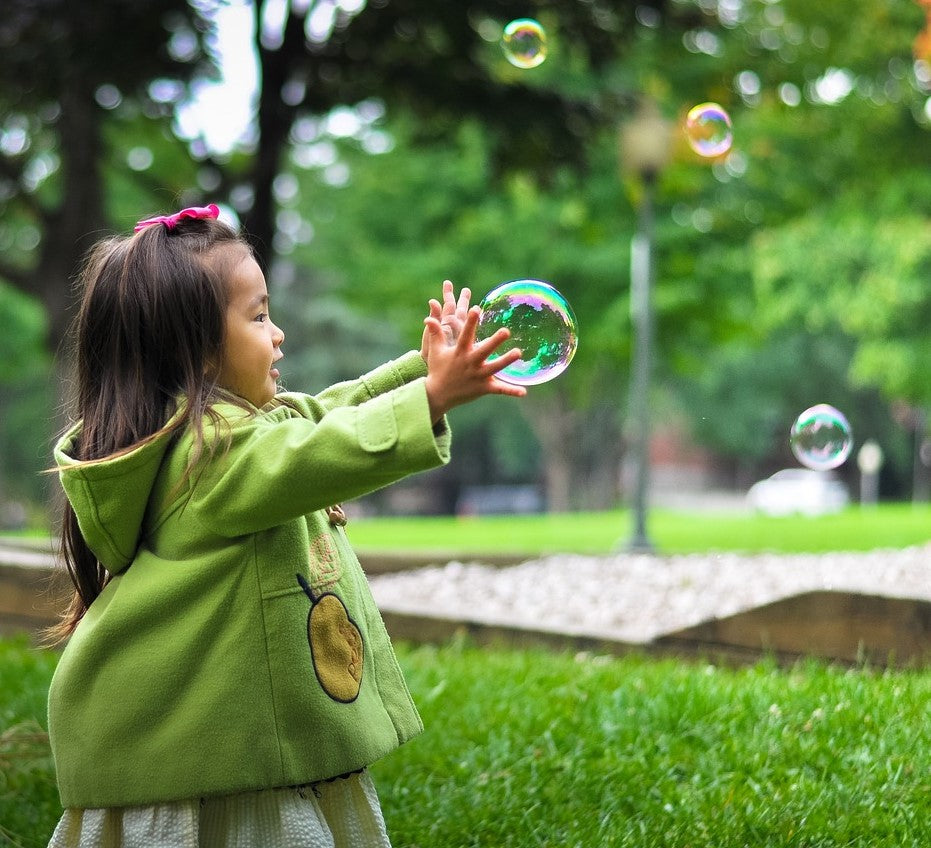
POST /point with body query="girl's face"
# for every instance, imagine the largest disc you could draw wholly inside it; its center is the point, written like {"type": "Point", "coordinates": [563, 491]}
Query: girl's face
{"type": "Point", "coordinates": [251, 342]}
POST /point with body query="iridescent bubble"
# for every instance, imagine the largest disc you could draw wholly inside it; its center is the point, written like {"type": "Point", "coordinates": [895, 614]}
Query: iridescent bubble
{"type": "Point", "coordinates": [708, 129]}
{"type": "Point", "coordinates": [542, 325]}
{"type": "Point", "coordinates": [524, 43]}
{"type": "Point", "coordinates": [821, 438]}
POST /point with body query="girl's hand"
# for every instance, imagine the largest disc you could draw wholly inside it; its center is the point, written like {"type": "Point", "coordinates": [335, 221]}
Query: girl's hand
{"type": "Point", "coordinates": [451, 315]}
{"type": "Point", "coordinates": [459, 372]}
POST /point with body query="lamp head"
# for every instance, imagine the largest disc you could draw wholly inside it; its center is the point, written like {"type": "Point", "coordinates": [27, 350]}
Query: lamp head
{"type": "Point", "coordinates": [645, 141]}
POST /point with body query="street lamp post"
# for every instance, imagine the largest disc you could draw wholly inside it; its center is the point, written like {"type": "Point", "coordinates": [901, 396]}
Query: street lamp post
{"type": "Point", "coordinates": [644, 150]}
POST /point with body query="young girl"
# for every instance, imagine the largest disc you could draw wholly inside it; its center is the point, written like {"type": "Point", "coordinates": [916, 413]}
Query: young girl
{"type": "Point", "coordinates": [228, 676]}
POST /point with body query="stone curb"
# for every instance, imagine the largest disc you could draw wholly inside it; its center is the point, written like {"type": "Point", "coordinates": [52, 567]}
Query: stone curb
{"type": "Point", "coordinates": [845, 627]}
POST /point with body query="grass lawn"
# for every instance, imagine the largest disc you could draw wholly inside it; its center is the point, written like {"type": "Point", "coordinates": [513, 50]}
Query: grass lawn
{"type": "Point", "coordinates": [526, 748]}
{"type": "Point", "coordinates": [673, 532]}
{"type": "Point", "coordinates": [28, 797]}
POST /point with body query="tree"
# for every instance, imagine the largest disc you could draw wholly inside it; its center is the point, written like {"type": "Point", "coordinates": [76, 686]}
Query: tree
{"type": "Point", "coordinates": [23, 396]}
{"type": "Point", "coordinates": [827, 104]}
{"type": "Point", "coordinates": [434, 62]}
{"type": "Point", "coordinates": [63, 68]}
{"type": "Point", "coordinates": [386, 260]}
{"type": "Point", "coordinates": [806, 240]}
{"type": "Point", "coordinates": [867, 279]}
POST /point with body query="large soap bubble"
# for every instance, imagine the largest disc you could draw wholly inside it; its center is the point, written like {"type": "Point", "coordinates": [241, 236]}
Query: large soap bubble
{"type": "Point", "coordinates": [821, 438]}
{"type": "Point", "coordinates": [542, 325]}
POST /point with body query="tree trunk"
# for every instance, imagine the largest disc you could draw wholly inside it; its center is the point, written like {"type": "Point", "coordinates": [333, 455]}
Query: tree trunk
{"type": "Point", "coordinates": [72, 226]}
{"type": "Point", "coordinates": [581, 450]}
{"type": "Point", "coordinates": [553, 423]}
{"type": "Point", "coordinates": [275, 118]}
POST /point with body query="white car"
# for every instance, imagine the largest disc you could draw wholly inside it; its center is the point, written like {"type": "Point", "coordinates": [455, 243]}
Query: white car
{"type": "Point", "coordinates": [798, 490]}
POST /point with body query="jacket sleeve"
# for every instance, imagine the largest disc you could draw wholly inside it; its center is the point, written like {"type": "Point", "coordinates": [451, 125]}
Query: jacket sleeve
{"type": "Point", "coordinates": [385, 378]}
{"type": "Point", "coordinates": [279, 467]}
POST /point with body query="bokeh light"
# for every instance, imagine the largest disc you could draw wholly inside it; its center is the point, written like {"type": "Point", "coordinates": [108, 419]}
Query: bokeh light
{"type": "Point", "coordinates": [821, 438]}
{"type": "Point", "coordinates": [542, 325]}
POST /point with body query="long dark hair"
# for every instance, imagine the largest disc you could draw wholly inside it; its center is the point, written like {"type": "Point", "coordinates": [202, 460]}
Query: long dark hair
{"type": "Point", "coordinates": [149, 331]}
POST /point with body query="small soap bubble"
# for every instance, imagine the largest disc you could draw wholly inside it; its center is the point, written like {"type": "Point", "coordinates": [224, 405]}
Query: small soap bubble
{"type": "Point", "coordinates": [542, 324]}
{"type": "Point", "coordinates": [821, 438]}
{"type": "Point", "coordinates": [708, 129]}
{"type": "Point", "coordinates": [524, 43]}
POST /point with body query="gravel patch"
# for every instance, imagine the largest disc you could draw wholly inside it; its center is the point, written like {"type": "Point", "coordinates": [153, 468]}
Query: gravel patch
{"type": "Point", "coordinates": [635, 598]}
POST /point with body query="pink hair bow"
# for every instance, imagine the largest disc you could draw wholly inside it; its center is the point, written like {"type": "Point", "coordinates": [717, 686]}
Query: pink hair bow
{"type": "Point", "coordinates": [171, 221]}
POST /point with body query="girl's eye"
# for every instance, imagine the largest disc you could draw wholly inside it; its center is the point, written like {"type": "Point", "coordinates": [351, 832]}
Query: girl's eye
{"type": "Point", "coordinates": [262, 317]}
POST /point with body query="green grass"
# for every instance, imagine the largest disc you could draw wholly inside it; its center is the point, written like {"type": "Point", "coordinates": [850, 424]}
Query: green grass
{"type": "Point", "coordinates": [36, 532]}
{"type": "Point", "coordinates": [526, 748]}
{"type": "Point", "coordinates": [28, 798]}
{"type": "Point", "coordinates": [673, 532]}
{"type": "Point", "coordinates": [855, 529]}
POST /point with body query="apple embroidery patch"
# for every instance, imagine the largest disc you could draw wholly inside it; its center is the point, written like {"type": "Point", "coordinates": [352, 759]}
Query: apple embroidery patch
{"type": "Point", "coordinates": [336, 648]}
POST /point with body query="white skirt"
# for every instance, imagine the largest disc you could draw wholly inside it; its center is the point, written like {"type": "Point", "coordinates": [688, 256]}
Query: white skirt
{"type": "Point", "coordinates": [343, 813]}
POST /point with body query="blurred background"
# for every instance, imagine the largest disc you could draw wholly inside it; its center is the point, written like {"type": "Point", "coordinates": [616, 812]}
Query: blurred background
{"type": "Point", "coordinates": [372, 149]}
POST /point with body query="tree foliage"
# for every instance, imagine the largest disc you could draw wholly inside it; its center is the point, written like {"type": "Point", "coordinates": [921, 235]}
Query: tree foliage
{"type": "Point", "coordinates": [806, 240]}
{"type": "Point", "coordinates": [24, 399]}
{"type": "Point", "coordinates": [64, 67]}
{"type": "Point", "coordinates": [866, 278]}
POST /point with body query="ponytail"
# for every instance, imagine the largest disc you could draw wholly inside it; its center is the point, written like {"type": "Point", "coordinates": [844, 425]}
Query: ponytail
{"type": "Point", "coordinates": [87, 575]}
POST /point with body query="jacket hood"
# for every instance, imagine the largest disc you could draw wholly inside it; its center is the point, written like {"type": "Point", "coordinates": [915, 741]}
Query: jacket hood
{"type": "Point", "coordinates": [110, 497]}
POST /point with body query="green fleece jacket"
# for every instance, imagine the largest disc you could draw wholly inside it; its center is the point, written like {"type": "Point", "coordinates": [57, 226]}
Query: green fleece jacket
{"type": "Point", "coordinates": [237, 646]}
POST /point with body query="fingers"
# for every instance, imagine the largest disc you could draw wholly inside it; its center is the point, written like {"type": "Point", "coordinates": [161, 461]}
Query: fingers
{"type": "Point", "coordinates": [462, 306]}
{"type": "Point", "coordinates": [449, 298]}
{"type": "Point", "coordinates": [499, 363]}
{"type": "Point", "coordinates": [488, 346]}
{"type": "Point", "coordinates": [451, 305]}
{"type": "Point", "coordinates": [472, 355]}
{"type": "Point", "coordinates": [499, 387]}
{"type": "Point", "coordinates": [433, 326]}
{"type": "Point", "coordinates": [466, 343]}
{"type": "Point", "coordinates": [469, 326]}
{"type": "Point", "coordinates": [436, 311]}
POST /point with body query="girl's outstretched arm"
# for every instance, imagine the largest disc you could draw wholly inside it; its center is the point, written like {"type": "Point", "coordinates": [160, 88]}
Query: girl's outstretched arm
{"type": "Point", "coordinates": [460, 372]}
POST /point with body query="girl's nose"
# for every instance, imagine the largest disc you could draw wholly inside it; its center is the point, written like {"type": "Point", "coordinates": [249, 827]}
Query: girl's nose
{"type": "Point", "coordinates": [278, 336]}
